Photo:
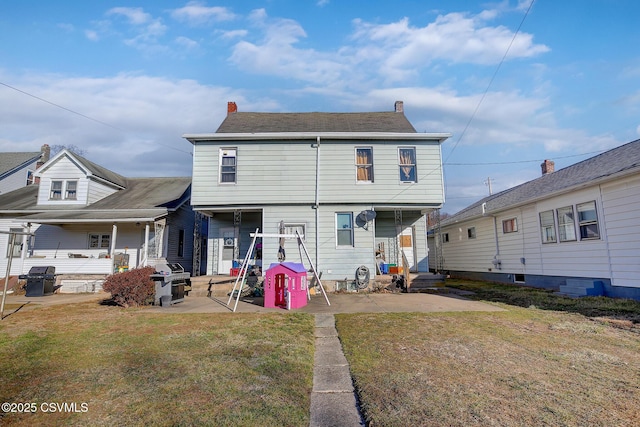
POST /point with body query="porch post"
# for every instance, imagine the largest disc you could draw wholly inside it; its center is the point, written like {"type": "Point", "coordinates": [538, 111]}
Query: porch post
{"type": "Point", "coordinates": [114, 235]}
{"type": "Point", "coordinates": [146, 245]}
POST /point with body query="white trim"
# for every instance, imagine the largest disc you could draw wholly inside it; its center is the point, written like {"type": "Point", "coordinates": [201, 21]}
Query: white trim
{"type": "Point", "coordinates": [250, 137]}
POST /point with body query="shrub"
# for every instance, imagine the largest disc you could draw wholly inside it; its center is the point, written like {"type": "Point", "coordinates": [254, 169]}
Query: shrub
{"type": "Point", "coordinates": [131, 288]}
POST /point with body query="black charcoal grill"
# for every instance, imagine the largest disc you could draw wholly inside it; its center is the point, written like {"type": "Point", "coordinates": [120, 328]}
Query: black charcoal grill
{"type": "Point", "coordinates": [40, 281]}
{"type": "Point", "coordinates": [172, 283]}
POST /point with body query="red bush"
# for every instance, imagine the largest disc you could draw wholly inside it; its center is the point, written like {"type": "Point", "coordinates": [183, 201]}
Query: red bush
{"type": "Point", "coordinates": [131, 288]}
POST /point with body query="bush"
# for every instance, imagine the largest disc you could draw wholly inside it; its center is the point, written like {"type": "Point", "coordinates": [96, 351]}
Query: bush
{"type": "Point", "coordinates": [131, 288]}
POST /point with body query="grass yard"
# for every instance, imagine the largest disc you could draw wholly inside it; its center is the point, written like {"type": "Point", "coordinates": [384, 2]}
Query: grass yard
{"type": "Point", "coordinates": [135, 368]}
{"type": "Point", "coordinates": [524, 367]}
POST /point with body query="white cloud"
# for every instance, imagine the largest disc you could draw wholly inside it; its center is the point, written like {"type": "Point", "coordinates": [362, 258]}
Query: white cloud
{"type": "Point", "coordinates": [402, 49]}
{"type": "Point", "coordinates": [187, 43]}
{"type": "Point", "coordinates": [145, 116]}
{"type": "Point", "coordinates": [135, 15]}
{"type": "Point", "coordinates": [277, 54]}
{"type": "Point", "coordinates": [92, 35]}
{"type": "Point", "coordinates": [196, 13]}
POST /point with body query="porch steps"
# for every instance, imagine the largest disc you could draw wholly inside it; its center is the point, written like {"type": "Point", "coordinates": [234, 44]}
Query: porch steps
{"type": "Point", "coordinates": [582, 288]}
{"type": "Point", "coordinates": [219, 286]}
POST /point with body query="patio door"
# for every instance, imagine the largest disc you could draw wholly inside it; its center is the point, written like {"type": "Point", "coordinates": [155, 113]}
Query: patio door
{"type": "Point", "coordinates": [226, 243]}
{"type": "Point", "coordinates": [407, 244]}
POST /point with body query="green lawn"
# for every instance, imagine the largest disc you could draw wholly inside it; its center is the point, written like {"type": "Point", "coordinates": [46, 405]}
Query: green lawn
{"type": "Point", "coordinates": [135, 368]}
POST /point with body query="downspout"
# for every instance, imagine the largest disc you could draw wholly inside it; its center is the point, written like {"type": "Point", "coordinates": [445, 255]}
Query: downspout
{"type": "Point", "coordinates": [317, 197]}
{"type": "Point", "coordinates": [496, 259]}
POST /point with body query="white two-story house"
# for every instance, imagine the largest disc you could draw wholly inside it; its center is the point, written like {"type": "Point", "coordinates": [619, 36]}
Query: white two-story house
{"type": "Point", "coordinates": [356, 186]}
{"type": "Point", "coordinates": [88, 220]}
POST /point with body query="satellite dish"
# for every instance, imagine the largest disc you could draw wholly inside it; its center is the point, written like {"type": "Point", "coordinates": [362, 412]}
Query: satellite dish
{"type": "Point", "coordinates": [364, 217]}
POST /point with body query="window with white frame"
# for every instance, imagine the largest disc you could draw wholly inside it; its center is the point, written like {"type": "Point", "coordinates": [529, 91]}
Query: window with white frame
{"type": "Point", "coordinates": [344, 229]}
{"type": "Point", "coordinates": [566, 224]}
{"type": "Point", "coordinates": [228, 163]}
{"type": "Point", "coordinates": [292, 228]}
{"type": "Point", "coordinates": [71, 192]}
{"type": "Point", "coordinates": [56, 190]}
{"type": "Point", "coordinates": [548, 227]}
{"type": "Point", "coordinates": [445, 237]}
{"type": "Point", "coordinates": [99, 241]}
{"type": "Point", "coordinates": [364, 164]}
{"type": "Point", "coordinates": [407, 164]}
{"type": "Point", "coordinates": [588, 221]}
{"type": "Point", "coordinates": [510, 225]}
{"type": "Point", "coordinates": [31, 179]}
{"type": "Point", "coordinates": [16, 248]}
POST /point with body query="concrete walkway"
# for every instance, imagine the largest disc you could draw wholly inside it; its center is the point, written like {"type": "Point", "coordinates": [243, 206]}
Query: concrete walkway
{"type": "Point", "coordinates": [333, 399]}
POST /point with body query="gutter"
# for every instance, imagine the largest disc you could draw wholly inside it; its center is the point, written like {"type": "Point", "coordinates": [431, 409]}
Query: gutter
{"type": "Point", "coordinates": [251, 137]}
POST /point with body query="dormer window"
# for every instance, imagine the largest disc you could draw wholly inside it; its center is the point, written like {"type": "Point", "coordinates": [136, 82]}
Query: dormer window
{"type": "Point", "coordinates": [71, 193]}
{"type": "Point", "coordinates": [70, 190]}
{"type": "Point", "coordinates": [56, 190]}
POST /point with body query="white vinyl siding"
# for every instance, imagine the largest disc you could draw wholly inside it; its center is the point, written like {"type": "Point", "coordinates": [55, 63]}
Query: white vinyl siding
{"type": "Point", "coordinates": [619, 221]}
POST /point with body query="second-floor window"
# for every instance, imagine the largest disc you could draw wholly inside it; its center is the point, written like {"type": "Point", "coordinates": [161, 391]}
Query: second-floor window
{"type": "Point", "coordinates": [364, 164]}
{"type": "Point", "coordinates": [56, 190]}
{"type": "Point", "coordinates": [71, 192]}
{"type": "Point", "coordinates": [228, 165]}
{"type": "Point", "coordinates": [407, 164]}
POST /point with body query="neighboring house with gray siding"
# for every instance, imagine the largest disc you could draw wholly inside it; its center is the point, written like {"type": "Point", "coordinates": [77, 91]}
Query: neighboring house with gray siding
{"type": "Point", "coordinates": [17, 170]}
{"type": "Point", "coordinates": [88, 220]}
{"type": "Point", "coordinates": [316, 173]}
{"type": "Point", "coordinates": [575, 225]}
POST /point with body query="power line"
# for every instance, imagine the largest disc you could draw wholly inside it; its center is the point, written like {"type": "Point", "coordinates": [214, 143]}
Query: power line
{"type": "Point", "coordinates": [60, 106]}
{"type": "Point", "coordinates": [495, 73]}
{"type": "Point", "coordinates": [82, 115]}
{"type": "Point", "coordinates": [523, 161]}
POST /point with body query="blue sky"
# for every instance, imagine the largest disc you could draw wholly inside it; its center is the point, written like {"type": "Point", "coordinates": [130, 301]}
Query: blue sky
{"type": "Point", "coordinates": [137, 75]}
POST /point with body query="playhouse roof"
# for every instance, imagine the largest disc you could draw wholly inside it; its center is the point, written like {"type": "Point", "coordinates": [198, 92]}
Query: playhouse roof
{"type": "Point", "coordinates": [293, 266]}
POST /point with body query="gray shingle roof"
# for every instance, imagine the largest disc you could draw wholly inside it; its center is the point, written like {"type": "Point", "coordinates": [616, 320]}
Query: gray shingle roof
{"type": "Point", "coordinates": [102, 172]}
{"type": "Point", "coordinates": [242, 122]}
{"type": "Point", "coordinates": [9, 161]}
{"type": "Point", "coordinates": [621, 160]}
{"type": "Point", "coordinates": [141, 197]}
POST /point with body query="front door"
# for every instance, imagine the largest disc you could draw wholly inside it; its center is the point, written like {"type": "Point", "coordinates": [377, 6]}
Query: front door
{"type": "Point", "coordinates": [226, 243]}
{"type": "Point", "coordinates": [281, 280]}
{"type": "Point", "coordinates": [407, 245]}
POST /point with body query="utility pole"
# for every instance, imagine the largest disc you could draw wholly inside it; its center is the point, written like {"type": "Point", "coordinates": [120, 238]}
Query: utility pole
{"type": "Point", "coordinates": [488, 182]}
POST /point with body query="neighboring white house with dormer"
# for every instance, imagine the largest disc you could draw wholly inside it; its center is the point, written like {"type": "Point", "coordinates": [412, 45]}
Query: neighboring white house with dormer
{"type": "Point", "coordinates": [357, 186]}
{"type": "Point", "coordinates": [86, 219]}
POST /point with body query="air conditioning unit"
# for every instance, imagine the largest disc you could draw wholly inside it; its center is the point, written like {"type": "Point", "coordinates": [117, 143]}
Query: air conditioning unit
{"type": "Point", "coordinates": [228, 241]}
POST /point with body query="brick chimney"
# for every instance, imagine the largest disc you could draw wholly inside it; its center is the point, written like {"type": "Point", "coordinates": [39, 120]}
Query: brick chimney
{"type": "Point", "coordinates": [231, 108]}
{"type": "Point", "coordinates": [399, 107]}
{"type": "Point", "coordinates": [45, 151]}
{"type": "Point", "coordinates": [548, 166]}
